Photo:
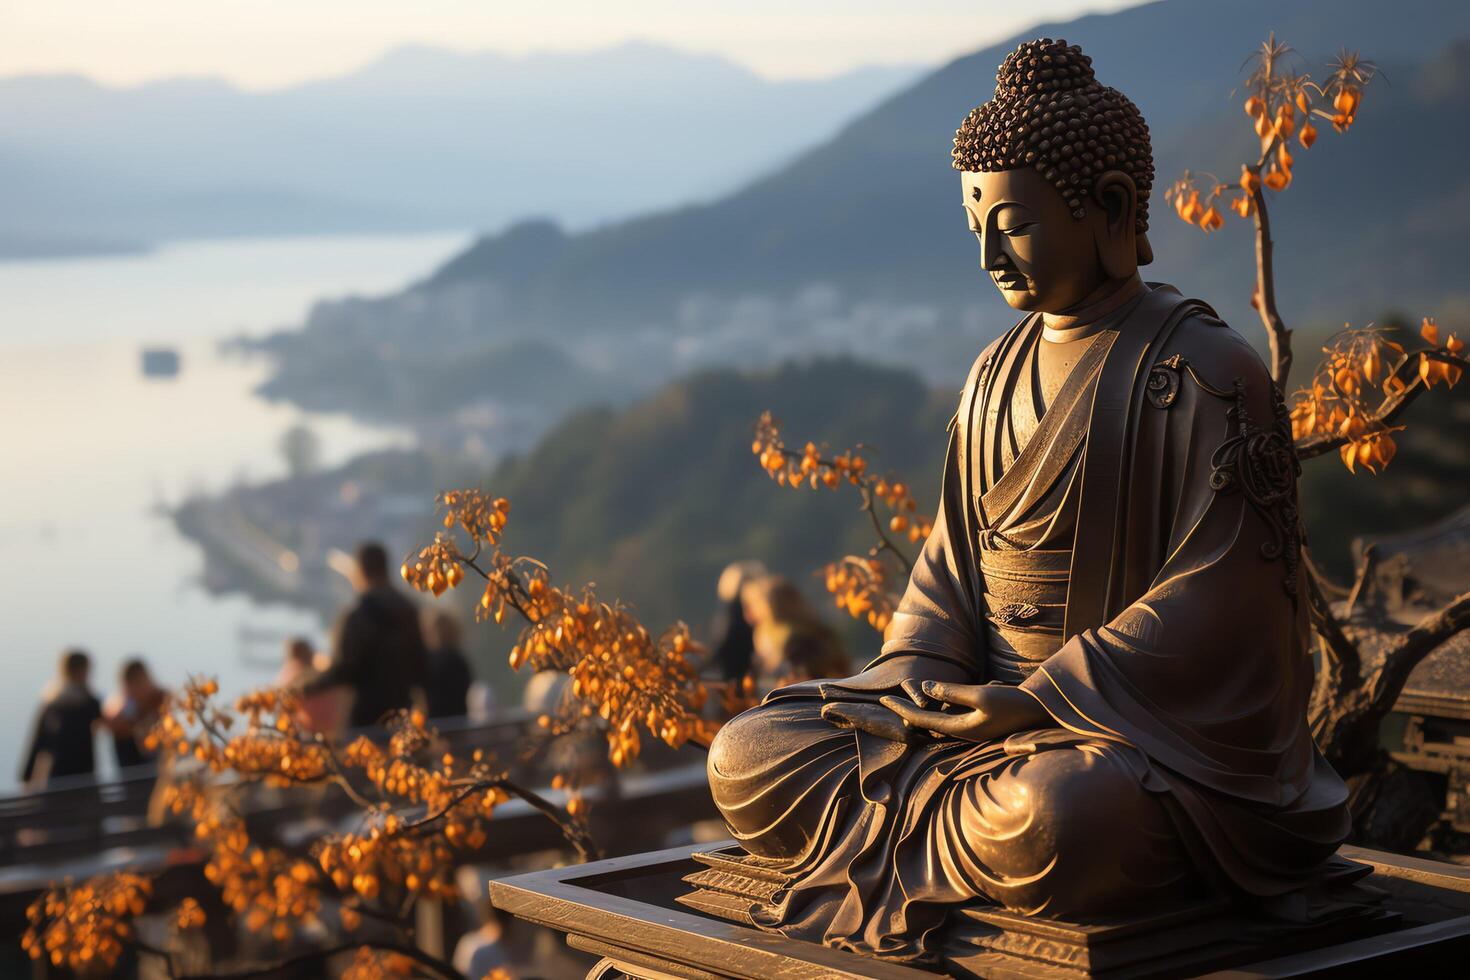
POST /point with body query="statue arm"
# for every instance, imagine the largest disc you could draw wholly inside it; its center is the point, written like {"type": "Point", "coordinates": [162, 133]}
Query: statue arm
{"type": "Point", "coordinates": [933, 636]}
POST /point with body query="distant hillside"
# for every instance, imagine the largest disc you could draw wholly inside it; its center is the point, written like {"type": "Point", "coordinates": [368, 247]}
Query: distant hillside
{"type": "Point", "coordinates": [874, 209]}
{"type": "Point", "coordinates": [857, 247]}
{"type": "Point", "coordinates": [422, 138]}
{"type": "Point", "coordinates": [653, 500]}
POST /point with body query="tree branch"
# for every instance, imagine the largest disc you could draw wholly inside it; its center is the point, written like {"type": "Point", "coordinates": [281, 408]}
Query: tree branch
{"type": "Point", "coordinates": [1277, 333]}
{"type": "Point", "coordinates": [1388, 412]}
{"type": "Point", "coordinates": [1387, 682]}
{"type": "Point", "coordinates": [573, 831]}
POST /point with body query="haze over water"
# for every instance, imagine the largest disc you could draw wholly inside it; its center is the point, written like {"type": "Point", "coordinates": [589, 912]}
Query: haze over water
{"type": "Point", "coordinates": [91, 447]}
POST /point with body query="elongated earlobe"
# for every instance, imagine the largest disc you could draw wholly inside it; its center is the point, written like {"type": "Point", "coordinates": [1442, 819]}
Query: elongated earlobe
{"type": "Point", "coordinates": [1118, 242]}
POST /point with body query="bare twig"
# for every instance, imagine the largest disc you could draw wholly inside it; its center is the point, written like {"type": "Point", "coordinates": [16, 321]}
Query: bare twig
{"type": "Point", "coordinates": [1277, 333]}
{"type": "Point", "coordinates": [885, 543]}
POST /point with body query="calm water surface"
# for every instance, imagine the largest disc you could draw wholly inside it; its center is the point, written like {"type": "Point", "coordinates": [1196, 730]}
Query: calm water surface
{"type": "Point", "coordinates": [89, 449]}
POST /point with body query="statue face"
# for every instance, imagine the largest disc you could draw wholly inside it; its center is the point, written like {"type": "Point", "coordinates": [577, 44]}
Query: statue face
{"type": "Point", "coordinates": [1037, 254]}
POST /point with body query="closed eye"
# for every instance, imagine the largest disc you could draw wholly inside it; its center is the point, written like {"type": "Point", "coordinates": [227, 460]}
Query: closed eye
{"type": "Point", "coordinates": [1021, 229]}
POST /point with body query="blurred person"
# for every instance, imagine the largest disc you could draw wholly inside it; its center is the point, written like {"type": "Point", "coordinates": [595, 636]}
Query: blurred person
{"type": "Point", "coordinates": [62, 743]}
{"type": "Point", "coordinates": [447, 676]}
{"type": "Point", "coordinates": [731, 633]}
{"type": "Point", "coordinates": [320, 711]}
{"type": "Point", "coordinates": [481, 952]}
{"type": "Point", "coordinates": [545, 692]}
{"type": "Point", "coordinates": [791, 641]}
{"type": "Point", "coordinates": [482, 705]}
{"type": "Point", "coordinates": [131, 711]}
{"type": "Point", "coordinates": [377, 648]}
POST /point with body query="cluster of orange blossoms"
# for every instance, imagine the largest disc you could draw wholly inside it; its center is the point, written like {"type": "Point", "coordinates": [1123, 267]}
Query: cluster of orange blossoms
{"type": "Point", "coordinates": [85, 927]}
{"type": "Point", "coordinates": [859, 585]}
{"type": "Point", "coordinates": [1363, 374]}
{"type": "Point", "coordinates": [861, 588]}
{"type": "Point", "coordinates": [371, 964]}
{"type": "Point", "coordinates": [619, 671]}
{"type": "Point", "coordinates": [271, 891]}
{"type": "Point", "coordinates": [388, 862]}
{"type": "Point", "coordinates": [810, 468]}
{"type": "Point", "coordinates": [1279, 100]}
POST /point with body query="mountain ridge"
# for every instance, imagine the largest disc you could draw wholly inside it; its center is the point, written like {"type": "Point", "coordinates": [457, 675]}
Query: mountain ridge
{"type": "Point", "coordinates": [421, 139]}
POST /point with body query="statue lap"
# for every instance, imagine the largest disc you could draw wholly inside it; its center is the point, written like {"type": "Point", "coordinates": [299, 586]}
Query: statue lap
{"type": "Point", "coordinates": [1045, 821]}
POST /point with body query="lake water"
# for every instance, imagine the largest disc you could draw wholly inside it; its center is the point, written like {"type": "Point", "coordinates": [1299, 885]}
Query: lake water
{"type": "Point", "coordinates": [89, 448]}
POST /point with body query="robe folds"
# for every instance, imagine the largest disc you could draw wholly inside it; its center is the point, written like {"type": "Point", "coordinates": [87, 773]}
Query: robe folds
{"type": "Point", "coordinates": [1179, 758]}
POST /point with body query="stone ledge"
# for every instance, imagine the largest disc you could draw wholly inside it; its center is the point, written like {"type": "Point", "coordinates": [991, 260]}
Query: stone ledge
{"type": "Point", "coordinates": [629, 911]}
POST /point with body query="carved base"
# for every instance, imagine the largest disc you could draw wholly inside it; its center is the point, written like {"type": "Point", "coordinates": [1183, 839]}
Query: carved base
{"type": "Point", "coordinates": [983, 939]}
{"type": "Point", "coordinates": [1375, 914]}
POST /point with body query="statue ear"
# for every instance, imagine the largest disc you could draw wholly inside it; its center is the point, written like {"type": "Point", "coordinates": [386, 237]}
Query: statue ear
{"type": "Point", "coordinates": [1118, 245]}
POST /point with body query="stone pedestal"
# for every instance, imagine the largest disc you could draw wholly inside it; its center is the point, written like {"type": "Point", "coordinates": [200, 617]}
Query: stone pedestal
{"type": "Point", "coordinates": [685, 913]}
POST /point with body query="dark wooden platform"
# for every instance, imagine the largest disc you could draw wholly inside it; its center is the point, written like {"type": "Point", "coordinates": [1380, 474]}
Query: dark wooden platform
{"type": "Point", "coordinates": [684, 913]}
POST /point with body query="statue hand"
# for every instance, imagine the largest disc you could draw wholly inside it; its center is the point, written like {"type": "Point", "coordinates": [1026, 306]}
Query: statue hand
{"type": "Point", "coordinates": [896, 673]}
{"type": "Point", "coordinates": [995, 711]}
{"type": "Point", "coordinates": [871, 718]}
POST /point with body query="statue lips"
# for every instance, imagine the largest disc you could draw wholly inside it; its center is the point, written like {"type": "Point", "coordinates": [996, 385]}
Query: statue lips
{"type": "Point", "coordinates": [1010, 280]}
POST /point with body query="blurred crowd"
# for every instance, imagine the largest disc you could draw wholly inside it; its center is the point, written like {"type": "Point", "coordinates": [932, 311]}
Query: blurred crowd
{"type": "Point", "coordinates": [387, 655]}
{"type": "Point", "coordinates": [384, 656]}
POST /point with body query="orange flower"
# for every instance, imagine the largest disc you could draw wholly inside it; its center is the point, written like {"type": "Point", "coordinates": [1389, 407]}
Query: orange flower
{"type": "Point", "coordinates": [1255, 106]}
{"type": "Point", "coordinates": [1190, 209]}
{"type": "Point", "coordinates": [1250, 181]}
{"type": "Point", "coordinates": [1285, 121]}
{"type": "Point", "coordinates": [1211, 220]}
{"type": "Point", "coordinates": [1308, 136]}
{"type": "Point", "coordinates": [1278, 180]}
{"type": "Point", "coordinates": [1243, 206]}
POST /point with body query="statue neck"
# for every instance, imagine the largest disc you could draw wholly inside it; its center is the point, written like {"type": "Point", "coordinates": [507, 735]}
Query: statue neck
{"type": "Point", "coordinates": [1078, 321]}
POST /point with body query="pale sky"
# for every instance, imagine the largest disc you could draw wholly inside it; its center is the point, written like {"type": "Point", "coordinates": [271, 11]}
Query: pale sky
{"type": "Point", "coordinates": [269, 43]}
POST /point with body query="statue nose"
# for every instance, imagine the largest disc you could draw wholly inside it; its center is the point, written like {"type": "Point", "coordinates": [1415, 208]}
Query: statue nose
{"type": "Point", "coordinates": [995, 257]}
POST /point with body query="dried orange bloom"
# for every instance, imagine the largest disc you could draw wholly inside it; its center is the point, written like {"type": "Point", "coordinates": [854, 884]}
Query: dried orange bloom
{"type": "Point", "coordinates": [1432, 370]}
{"type": "Point", "coordinates": [1191, 207]}
{"type": "Point", "coordinates": [1281, 103]}
{"type": "Point", "coordinates": [85, 927]}
{"type": "Point", "coordinates": [1362, 377]}
{"type": "Point", "coordinates": [861, 585]}
{"type": "Point", "coordinates": [189, 915]}
{"type": "Point", "coordinates": [862, 589]}
{"type": "Point", "coordinates": [620, 672]}
{"type": "Point", "coordinates": [372, 964]}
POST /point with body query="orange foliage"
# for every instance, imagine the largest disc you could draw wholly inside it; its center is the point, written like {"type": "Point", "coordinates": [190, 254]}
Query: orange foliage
{"type": "Point", "coordinates": [85, 927]}
{"type": "Point", "coordinates": [1277, 98]}
{"type": "Point", "coordinates": [860, 585]}
{"type": "Point", "coordinates": [619, 671]}
{"type": "Point", "coordinates": [1363, 375]}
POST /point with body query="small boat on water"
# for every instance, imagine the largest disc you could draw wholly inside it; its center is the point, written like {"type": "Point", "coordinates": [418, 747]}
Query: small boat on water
{"type": "Point", "coordinates": [160, 362]}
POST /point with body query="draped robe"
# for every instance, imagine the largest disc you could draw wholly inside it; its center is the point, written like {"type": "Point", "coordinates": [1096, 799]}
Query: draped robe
{"type": "Point", "coordinates": [1128, 557]}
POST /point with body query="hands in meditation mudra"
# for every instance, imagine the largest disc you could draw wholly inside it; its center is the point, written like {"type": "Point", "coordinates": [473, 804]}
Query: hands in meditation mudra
{"type": "Point", "coordinates": [1093, 693]}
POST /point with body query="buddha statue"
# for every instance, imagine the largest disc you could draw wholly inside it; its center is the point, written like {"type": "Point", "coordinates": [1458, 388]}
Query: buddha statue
{"type": "Point", "coordinates": [1093, 692]}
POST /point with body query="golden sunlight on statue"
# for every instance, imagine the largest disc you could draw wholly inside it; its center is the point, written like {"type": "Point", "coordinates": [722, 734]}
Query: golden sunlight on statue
{"type": "Point", "coordinates": [1093, 693]}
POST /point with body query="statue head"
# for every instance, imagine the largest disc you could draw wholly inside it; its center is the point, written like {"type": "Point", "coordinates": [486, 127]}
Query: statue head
{"type": "Point", "coordinates": [1055, 172]}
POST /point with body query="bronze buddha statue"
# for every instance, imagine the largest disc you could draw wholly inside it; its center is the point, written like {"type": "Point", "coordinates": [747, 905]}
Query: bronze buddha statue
{"type": "Point", "coordinates": [1094, 690]}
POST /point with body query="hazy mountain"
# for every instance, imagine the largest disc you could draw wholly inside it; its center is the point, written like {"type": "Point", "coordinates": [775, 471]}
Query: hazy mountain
{"type": "Point", "coordinates": [422, 138]}
{"type": "Point", "coordinates": [858, 246]}
{"type": "Point", "coordinates": [874, 209]}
